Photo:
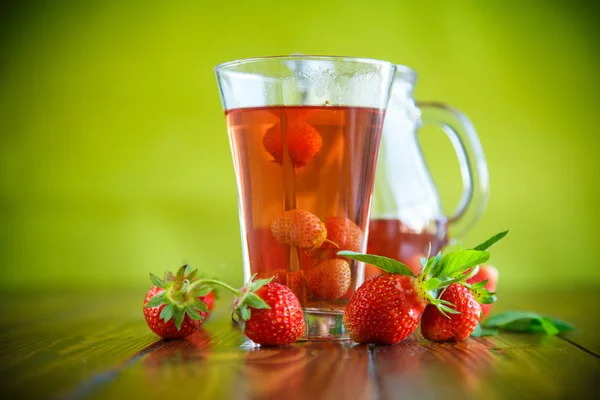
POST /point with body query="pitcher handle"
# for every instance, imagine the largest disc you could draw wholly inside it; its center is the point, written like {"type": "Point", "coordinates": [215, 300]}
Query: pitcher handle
{"type": "Point", "coordinates": [473, 166]}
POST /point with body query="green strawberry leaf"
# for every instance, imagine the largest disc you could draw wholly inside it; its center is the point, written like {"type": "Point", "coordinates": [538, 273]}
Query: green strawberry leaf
{"type": "Point", "coordinates": [491, 241]}
{"type": "Point", "coordinates": [530, 322]}
{"type": "Point", "coordinates": [480, 331]}
{"type": "Point", "coordinates": [181, 273]}
{"type": "Point", "coordinates": [157, 300]}
{"type": "Point", "coordinates": [387, 264]}
{"type": "Point", "coordinates": [244, 312]}
{"type": "Point", "coordinates": [156, 281]}
{"type": "Point", "coordinates": [167, 312]}
{"type": "Point", "coordinates": [192, 275]}
{"type": "Point", "coordinates": [255, 302]}
{"type": "Point", "coordinates": [178, 315]}
{"type": "Point", "coordinates": [169, 277]}
{"type": "Point", "coordinates": [193, 314]}
{"type": "Point", "coordinates": [199, 305]}
{"type": "Point", "coordinates": [257, 284]}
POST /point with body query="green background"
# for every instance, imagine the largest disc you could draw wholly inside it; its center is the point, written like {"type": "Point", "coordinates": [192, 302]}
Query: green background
{"type": "Point", "coordinates": [114, 158]}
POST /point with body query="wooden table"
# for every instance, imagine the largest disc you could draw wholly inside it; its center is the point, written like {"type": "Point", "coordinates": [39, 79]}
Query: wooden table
{"type": "Point", "coordinates": [98, 346]}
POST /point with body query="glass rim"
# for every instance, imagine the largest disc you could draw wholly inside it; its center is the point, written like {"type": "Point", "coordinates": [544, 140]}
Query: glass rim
{"type": "Point", "coordinates": [228, 64]}
{"type": "Point", "coordinates": [409, 73]}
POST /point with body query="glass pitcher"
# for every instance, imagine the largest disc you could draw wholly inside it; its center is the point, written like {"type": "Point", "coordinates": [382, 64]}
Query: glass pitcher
{"type": "Point", "coordinates": [406, 214]}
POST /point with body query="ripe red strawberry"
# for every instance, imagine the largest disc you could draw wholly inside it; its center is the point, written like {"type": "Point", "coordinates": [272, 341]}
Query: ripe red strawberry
{"type": "Point", "coordinates": [303, 142]}
{"type": "Point", "coordinates": [329, 280]}
{"type": "Point", "coordinates": [456, 327]}
{"type": "Point", "coordinates": [490, 274]}
{"type": "Point", "coordinates": [344, 233]}
{"type": "Point", "coordinates": [385, 310]}
{"type": "Point", "coordinates": [281, 322]}
{"type": "Point", "coordinates": [299, 228]}
{"type": "Point", "coordinates": [183, 310]}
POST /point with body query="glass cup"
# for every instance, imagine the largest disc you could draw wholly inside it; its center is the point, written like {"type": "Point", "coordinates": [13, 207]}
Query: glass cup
{"type": "Point", "coordinates": [304, 134]}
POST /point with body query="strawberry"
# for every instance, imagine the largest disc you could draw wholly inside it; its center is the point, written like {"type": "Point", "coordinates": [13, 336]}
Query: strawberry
{"type": "Point", "coordinates": [441, 328]}
{"type": "Point", "coordinates": [274, 321]}
{"type": "Point", "coordinates": [303, 142]}
{"type": "Point", "coordinates": [299, 228]}
{"type": "Point", "coordinates": [329, 280]}
{"type": "Point", "coordinates": [387, 308]}
{"type": "Point", "coordinates": [344, 233]}
{"type": "Point", "coordinates": [489, 274]}
{"type": "Point", "coordinates": [174, 308]}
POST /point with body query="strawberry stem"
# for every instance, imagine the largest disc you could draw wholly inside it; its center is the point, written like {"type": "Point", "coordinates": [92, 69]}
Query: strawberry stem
{"type": "Point", "coordinates": [217, 283]}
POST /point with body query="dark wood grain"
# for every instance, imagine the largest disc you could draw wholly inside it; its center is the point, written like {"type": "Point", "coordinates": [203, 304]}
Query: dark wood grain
{"type": "Point", "coordinates": [72, 349]}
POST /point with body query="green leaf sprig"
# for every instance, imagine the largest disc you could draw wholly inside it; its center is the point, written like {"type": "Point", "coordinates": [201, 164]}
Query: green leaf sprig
{"type": "Point", "coordinates": [522, 321]}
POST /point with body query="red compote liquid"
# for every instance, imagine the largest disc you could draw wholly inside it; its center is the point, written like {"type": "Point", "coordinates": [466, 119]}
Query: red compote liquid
{"type": "Point", "coordinates": [320, 161]}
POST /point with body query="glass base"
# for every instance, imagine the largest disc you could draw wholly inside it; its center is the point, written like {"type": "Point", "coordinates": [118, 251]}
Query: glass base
{"type": "Point", "coordinates": [324, 325]}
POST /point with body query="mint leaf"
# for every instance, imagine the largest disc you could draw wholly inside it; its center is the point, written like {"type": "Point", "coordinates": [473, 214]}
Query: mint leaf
{"type": "Point", "coordinates": [562, 326]}
{"type": "Point", "coordinates": [508, 317]}
{"type": "Point", "coordinates": [457, 262]}
{"type": "Point", "coordinates": [156, 281]}
{"type": "Point", "coordinates": [480, 331]}
{"type": "Point", "coordinates": [528, 322]}
{"type": "Point", "coordinates": [431, 264]}
{"type": "Point", "coordinates": [491, 241]}
{"type": "Point", "coordinates": [385, 263]}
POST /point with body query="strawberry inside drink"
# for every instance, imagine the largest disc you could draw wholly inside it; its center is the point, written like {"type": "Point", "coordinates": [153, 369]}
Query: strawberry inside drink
{"type": "Point", "coordinates": [305, 177]}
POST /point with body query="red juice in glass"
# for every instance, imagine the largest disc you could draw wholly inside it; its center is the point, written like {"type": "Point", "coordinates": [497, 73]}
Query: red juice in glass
{"type": "Point", "coordinates": [304, 134]}
{"type": "Point", "coordinates": [317, 159]}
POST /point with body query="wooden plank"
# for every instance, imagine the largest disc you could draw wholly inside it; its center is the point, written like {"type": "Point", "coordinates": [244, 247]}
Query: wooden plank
{"type": "Point", "coordinates": [67, 339]}
{"type": "Point", "coordinates": [104, 350]}
{"type": "Point", "coordinates": [315, 370]}
{"type": "Point", "coordinates": [507, 366]}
